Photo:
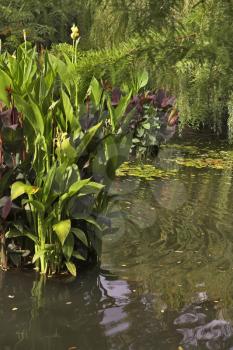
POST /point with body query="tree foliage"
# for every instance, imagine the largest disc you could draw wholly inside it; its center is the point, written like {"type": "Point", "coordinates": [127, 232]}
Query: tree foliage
{"type": "Point", "coordinates": [185, 45]}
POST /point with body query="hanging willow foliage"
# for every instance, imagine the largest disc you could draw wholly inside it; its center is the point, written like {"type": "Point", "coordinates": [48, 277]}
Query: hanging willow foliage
{"type": "Point", "coordinates": [185, 45]}
{"type": "Point", "coordinates": [192, 59]}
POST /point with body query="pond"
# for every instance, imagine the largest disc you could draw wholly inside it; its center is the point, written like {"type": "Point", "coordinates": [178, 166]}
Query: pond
{"type": "Point", "coordinates": [166, 275]}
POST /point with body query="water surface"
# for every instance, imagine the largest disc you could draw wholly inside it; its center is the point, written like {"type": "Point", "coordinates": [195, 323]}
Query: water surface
{"type": "Point", "coordinates": [166, 276]}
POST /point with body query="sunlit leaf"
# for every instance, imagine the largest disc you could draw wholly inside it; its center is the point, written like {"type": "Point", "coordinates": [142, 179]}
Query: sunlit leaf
{"type": "Point", "coordinates": [71, 268]}
{"type": "Point", "coordinates": [68, 109]}
{"type": "Point", "coordinates": [5, 83]}
{"type": "Point", "coordinates": [18, 188]}
{"type": "Point", "coordinates": [96, 90]}
{"type": "Point", "coordinates": [62, 230]}
{"type": "Point", "coordinates": [68, 149]}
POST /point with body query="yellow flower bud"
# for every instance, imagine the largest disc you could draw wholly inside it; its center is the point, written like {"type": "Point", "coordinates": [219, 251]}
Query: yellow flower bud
{"type": "Point", "coordinates": [74, 29]}
{"type": "Point", "coordinates": [74, 36]}
{"type": "Point", "coordinates": [74, 32]}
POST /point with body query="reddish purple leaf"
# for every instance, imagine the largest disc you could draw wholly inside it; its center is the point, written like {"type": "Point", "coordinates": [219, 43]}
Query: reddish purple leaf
{"type": "Point", "coordinates": [6, 205]}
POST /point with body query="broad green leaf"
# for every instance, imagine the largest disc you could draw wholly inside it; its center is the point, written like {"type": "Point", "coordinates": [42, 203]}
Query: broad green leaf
{"type": "Point", "coordinates": [38, 116]}
{"type": "Point", "coordinates": [92, 188]}
{"type": "Point", "coordinates": [146, 126]}
{"type": "Point", "coordinates": [96, 90]}
{"type": "Point", "coordinates": [71, 268]}
{"type": "Point", "coordinates": [5, 82]}
{"type": "Point", "coordinates": [15, 232]}
{"type": "Point", "coordinates": [62, 230]}
{"type": "Point", "coordinates": [30, 70]}
{"type": "Point", "coordinates": [142, 79]}
{"type": "Point", "coordinates": [68, 150]}
{"type": "Point", "coordinates": [68, 247]}
{"type": "Point", "coordinates": [110, 147]}
{"type": "Point", "coordinates": [80, 235]}
{"type": "Point", "coordinates": [78, 256]}
{"type": "Point", "coordinates": [48, 182]}
{"type": "Point", "coordinates": [40, 154]}
{"type": "Point", "coordinates": [31, 236]}
{"type": "Point", "coordinates": [88, 219]}
{"type": "Point", "coordinates": [111, 151]}
{"type": "Point", "coordinates": [121, 108]}
{"type": "Point", "coordinates": [95, 185]}
{"type": "Point", "coordinates": [31, 112]}
{"type": "Point", "coordinates": [36, 204]}
{"type": "Point", "coordinates": [65, 71]}
{"type": "Point", "coordinates": [18, 188]}
{"type": "Point", "coordinates": [78, 185]}
{"type": "Point", "coordinates": [68, 109]}
{"type": "Point", "coordinates": [117, 113]}
{"type": "Point", "coordinates": [87, 139]}
{"type": "Point", "coordinates": [75, 188]}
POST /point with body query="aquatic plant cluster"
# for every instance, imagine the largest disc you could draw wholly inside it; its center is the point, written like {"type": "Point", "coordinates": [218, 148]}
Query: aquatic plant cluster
{"type": "Point", "coordinates": [155, 117]}
{"type": "Point", "coordinates": [58, 157]}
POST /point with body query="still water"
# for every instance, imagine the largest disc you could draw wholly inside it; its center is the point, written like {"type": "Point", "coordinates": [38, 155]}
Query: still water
{"type": "Point", "coordinates": [166, 276]}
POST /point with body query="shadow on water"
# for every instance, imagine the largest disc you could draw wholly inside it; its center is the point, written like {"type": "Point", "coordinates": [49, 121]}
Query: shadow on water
{"type": "Point", "coordinates": [166, 276]}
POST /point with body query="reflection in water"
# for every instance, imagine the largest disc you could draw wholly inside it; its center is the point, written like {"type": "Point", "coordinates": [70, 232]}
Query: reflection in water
{"type": "Point", "coordinates": [200, 329]}
{"type": "Point", "coordinates": [97, 311]}
{"type": "Point", "coordinates": [170, 282]}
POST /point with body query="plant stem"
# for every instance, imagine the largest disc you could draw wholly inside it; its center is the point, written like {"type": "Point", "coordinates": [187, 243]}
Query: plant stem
{"type": "Point", "coordinates": [75, 51]}
{"type": "Point", "coordinates": [3, 257]}
{"type": "Point", "coordinates": [42, 238]}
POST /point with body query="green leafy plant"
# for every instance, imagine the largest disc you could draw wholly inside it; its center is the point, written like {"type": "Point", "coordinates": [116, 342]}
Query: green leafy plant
{"type": "Point", "coordinates": [74, 148]}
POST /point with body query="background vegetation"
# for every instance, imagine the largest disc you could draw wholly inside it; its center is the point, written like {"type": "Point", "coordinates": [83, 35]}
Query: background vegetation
{"type": "Point", "coordinates": [186, 46]}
